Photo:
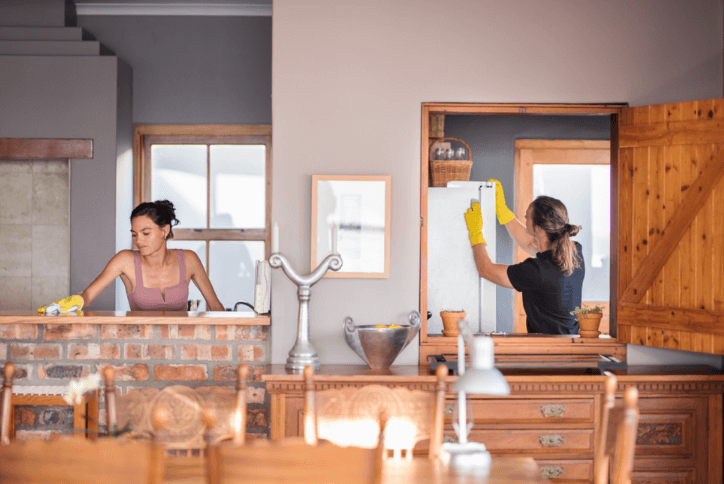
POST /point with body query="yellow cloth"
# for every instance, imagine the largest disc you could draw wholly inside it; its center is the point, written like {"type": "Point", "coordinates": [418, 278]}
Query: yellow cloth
{"type": "Point", "coordinates": [70, 303]}
{"type": "Point", "coordinates": [474, 221]}
{"type": "Point", "coordinates": [501, 210]}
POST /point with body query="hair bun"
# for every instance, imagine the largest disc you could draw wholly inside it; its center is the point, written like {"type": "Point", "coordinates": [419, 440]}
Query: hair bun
{"type": "Point", "coordinates": [572, 229]}
{"type": "Point", "coordinates": [165, 203]}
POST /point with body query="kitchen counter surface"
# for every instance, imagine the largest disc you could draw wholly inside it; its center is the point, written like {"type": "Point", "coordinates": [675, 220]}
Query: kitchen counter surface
{"type": "Point", "coordinates": [422, 373]}
{"type": "Point", "coordinates": [137, 317]}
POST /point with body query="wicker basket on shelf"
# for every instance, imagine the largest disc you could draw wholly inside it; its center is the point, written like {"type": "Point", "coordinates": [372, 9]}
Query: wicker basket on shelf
{"type": "Point", "coordinates": [443, 171]}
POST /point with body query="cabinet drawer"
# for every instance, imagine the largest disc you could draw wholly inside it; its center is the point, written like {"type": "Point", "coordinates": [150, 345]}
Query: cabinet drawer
{"type": "Point", "coordinates": [528, 411]}
{"type": "Point", "coordinates": [566, 471]}
{"type": "Point", "coordinates": [543, 440]}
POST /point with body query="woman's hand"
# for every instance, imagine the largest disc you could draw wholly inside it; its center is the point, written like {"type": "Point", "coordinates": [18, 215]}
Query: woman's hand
{"type": "Point", "coordinates": [501, 210]}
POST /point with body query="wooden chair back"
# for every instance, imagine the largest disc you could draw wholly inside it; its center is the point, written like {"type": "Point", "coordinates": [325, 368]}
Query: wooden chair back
{"type": "Point", "coordinates": [616, 441]}
{"type": "Point", "coordinates": [131, 413]}
{"type": "Point", "coordinates": [6, 402]}
{"type": "Point", "coordinates": [290, 460]}
{"type": "Point", "coordinates": [350, 416]}
{"type": "Point", "coordinates": [79, 460]}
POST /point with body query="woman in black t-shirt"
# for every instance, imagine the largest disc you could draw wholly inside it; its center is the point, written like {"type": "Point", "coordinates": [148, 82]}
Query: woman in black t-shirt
{"type": "Point", "coordinates": [552, 280]}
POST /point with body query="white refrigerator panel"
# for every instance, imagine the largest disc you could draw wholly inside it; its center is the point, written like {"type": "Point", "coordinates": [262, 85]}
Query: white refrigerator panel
{"type": "Point", "coordinates": [453, 282]}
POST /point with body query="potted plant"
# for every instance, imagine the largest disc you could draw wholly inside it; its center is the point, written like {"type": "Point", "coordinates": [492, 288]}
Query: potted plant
{"type": "Point", "coordinates": [589, 319]}
{"type": "Point", "coordinates": [450, 318]}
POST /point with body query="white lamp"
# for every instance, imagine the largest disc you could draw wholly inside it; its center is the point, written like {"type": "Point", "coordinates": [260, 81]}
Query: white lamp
{"type": "Point", "coordinates": [482, 378]}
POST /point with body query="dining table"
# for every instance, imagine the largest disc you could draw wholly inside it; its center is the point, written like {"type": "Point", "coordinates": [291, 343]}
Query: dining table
{"type": "Point", "coordinates": [419, 470]}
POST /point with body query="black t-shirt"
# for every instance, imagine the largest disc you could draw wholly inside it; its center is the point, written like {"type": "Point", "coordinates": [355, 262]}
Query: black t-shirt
{"type": "Point", "coordinates": [549, 295]}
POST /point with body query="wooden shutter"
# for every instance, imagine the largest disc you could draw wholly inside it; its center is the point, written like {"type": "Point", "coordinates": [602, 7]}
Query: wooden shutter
{"type": "Point", "coordinates": [671, 226]}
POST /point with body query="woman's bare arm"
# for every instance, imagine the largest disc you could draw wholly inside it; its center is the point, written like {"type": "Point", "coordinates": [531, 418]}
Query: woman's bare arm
{"type": "Point", "coordinates": [198, 275]}
{"type": "Point", "coordinates": [496, 273]}
{"type": "Point", "coordinates": [113, 269]}
{"type": "Point", "coordinates": [520, 235]}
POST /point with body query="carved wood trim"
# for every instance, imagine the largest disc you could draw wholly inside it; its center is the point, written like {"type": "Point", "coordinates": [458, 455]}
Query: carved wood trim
{"type": "Point", "coordinates": [526, 387]}
{"type": "Point", "coordinates": [45, 148]}
{"type": "Point", "coordinates": [696, 195]}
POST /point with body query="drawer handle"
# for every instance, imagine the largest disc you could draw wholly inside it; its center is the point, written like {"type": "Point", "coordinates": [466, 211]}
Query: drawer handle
{"type": "Point", "coordinates": [448, 409]}
{"type": "Point", "coordinates": [551, 440]}
{"type": "Point", "coordinates": [449, 438]}
{"type": "Point", "coordinates": [553, 410]}
{"type": "Point", "coordinates": [551, 472]}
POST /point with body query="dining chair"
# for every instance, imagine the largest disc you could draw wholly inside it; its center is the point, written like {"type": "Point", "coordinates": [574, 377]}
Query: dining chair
{"type": "Point", "coordinates": [291, 460]}
{"type": "Point", "coordinates": [130, 413]}
{"type": "Point", "coordinates": [66, 460]}
{"type": "Point", "coordinates": [85, 413]}
{"type": "Point", "coordinates": [616, 440]}
{"type": "Point", "coordinates": [6, 402]}
{"type": "Point", "coordinates": [349, 416]}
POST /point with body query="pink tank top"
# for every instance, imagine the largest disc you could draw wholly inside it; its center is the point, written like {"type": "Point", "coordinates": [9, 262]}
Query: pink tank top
{"type": "Point", "coordinates": [150, 299]}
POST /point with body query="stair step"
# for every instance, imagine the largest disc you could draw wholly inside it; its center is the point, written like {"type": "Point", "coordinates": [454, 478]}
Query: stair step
{"type": "Point", "coordinates": [49, 47]}
{"type": "Point", "coordinates": [41, 33]}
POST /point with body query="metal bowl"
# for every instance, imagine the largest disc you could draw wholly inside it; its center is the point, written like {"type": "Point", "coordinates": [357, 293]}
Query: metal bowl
{"type": "Point", "coordinates": [379, 347]}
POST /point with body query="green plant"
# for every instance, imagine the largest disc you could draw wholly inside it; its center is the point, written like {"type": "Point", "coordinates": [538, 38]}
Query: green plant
{"type": "Point", "coordinates": [584, 311]}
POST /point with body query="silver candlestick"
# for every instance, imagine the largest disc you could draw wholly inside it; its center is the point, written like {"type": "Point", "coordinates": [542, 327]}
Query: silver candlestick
{"type": "Point", "coordinates": [303, 353]}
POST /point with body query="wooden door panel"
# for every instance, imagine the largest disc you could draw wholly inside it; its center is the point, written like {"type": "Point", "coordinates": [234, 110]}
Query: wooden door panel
{"type": "Point", "coordinates": [671, 235]}
{"type": "Point", "coordinates": [672, 199]}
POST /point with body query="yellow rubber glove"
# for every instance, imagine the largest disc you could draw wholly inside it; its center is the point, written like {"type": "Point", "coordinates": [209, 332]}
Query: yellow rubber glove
{"type": "Point", "coordinates": [70, 303]}
{"type": "Point", "coordinates": [474, 221]}
{"type": "Point", "coordinates": [501, 210]}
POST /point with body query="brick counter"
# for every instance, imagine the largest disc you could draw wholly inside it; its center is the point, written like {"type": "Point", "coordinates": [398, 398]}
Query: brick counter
{"type": "Point", "coordinates": [143, 352]}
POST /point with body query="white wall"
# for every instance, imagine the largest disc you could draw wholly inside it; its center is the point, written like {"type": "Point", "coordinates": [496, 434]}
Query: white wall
{"type": "Point", "coordinates": [349, 77]}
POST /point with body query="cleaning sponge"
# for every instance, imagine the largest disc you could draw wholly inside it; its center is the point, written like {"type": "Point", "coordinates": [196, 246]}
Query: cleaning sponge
{"type": "Point", "coordinates": [70, 303]}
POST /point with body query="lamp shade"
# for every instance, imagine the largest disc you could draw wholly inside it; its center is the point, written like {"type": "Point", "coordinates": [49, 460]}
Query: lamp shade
{"type": "Point", "coordinates": [482, 378]}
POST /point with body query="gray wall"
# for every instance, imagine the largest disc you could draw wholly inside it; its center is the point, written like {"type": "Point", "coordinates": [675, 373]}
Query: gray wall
{"type": "Point", "coordinates": [33, 13]}
{"type": "Point", "coordinates": [349, 78]}
{"type": "Point", "coordinates": [192, 70]}
{"type": "Point", "coordinates": [72, 97]}
{"type": "Point", "coordinates": [492, 144]}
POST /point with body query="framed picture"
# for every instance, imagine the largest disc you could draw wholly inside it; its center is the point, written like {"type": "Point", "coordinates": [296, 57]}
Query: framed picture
{"type": "Point", "coordinates": [359, 208]}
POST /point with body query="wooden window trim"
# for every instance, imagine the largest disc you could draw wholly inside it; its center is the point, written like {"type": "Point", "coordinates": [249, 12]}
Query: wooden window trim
{"type": "Point", "coordinates": [144, 135]}
{"type": "Point", "coordinates": [441, 345]}
{"type": "Point", "coordinates": [587, 152]}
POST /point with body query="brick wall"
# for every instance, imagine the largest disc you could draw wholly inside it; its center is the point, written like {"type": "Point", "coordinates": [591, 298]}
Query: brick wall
{"type": "Point", "coordinates": [142, 355]}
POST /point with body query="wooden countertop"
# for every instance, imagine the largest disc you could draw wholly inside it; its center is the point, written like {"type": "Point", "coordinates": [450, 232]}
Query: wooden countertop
{"type": "Point", "coordinates": [422, 373]}
{"type": "Point", "coordinates": [137, 317]}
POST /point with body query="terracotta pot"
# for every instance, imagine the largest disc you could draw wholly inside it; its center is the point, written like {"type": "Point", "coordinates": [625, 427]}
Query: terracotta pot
{"type": "Point", "coordinates": [450, 319]}
{"type": "Point", "coordinates": [589, 322]}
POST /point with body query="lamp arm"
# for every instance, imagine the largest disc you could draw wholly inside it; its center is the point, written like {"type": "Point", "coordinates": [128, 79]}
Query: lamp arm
{"type": "Point", "coordinates": [466, 332]}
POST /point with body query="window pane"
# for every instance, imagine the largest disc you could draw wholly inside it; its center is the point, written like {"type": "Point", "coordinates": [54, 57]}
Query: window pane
{"type": "Point", "coordinates": [232, 270]}
{"type": "Point", "coordinates": [178, 173]}
{"type": "Point", "coordinates": [238, 184]}
{"type": "Point", "coordinates": [586, 192]}
{"type": "Point", "coordinates": [198, 246]}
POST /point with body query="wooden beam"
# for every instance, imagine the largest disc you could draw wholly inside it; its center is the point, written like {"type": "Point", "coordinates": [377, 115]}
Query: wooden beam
{"type": "Point", "coordinates": [671, 318]}
{"type": "Point", "coordinates": [702, 131]}
{"type": "Point", "coordinates": [45, 148]}
{"type": "Point", "coordinates": [690, 205]}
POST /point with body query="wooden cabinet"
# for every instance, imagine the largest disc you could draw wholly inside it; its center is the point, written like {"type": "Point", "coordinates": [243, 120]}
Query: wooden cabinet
{"type": "Point", "coordinates": [554, 418]}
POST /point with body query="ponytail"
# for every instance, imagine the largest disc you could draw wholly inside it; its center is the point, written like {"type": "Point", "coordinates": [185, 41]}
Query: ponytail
{"type": "Point", "coordinates": [552, 216]}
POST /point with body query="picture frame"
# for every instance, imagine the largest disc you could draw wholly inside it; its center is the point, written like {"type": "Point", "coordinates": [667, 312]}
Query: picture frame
{"type": "Point", "coordinates": [359, 207]}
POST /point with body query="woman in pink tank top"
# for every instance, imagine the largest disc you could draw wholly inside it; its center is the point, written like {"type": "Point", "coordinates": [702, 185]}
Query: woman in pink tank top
{"type": "Point", "coordinates": [156, 278]}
